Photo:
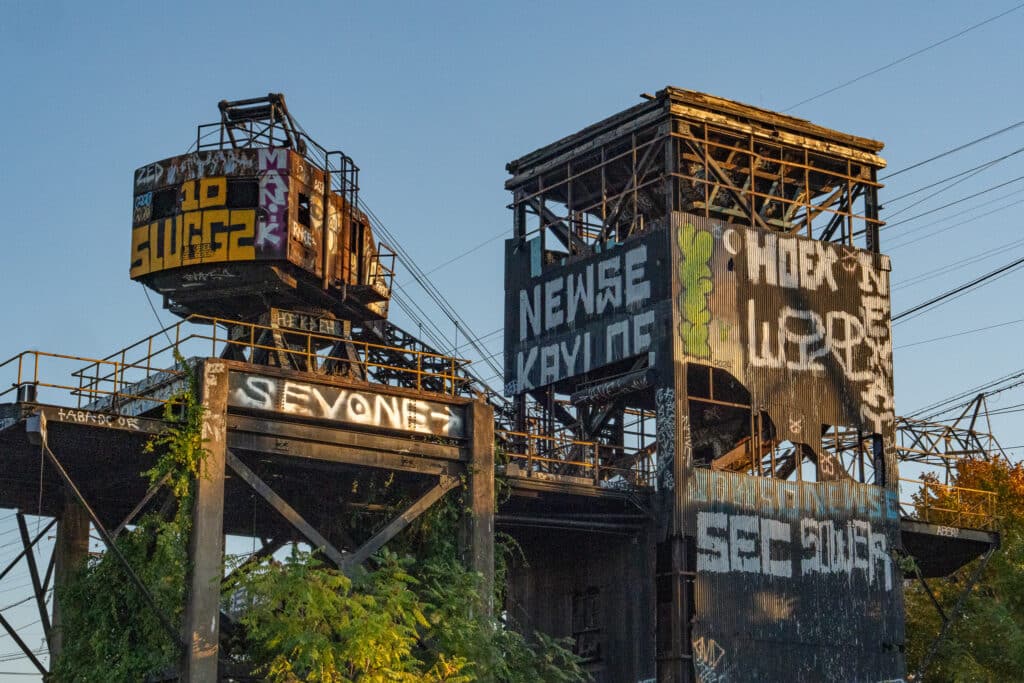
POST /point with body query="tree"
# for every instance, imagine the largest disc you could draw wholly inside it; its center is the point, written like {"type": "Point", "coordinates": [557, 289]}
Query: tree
{"type": "Point", "coordinates": [986, 642]}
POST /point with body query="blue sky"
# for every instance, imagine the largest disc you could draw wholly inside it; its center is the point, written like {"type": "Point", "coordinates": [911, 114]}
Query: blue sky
{"type": "Point", "coordinates": [432, 99]}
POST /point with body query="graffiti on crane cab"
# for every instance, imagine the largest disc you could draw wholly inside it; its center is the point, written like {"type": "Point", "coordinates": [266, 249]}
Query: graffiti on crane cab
{"type": "Point", "coordinates": [273, 175]}
{"type": "Point", "coordinates": [345, 405]}
{"type": "Point", "coordinates": [789, 311]}
{"type": "Point", "coordinates": [173, 171]}
{"type": "Point", "coordinates": [203, 231]}
{"type": "Point", "coordinates": [586, 315]}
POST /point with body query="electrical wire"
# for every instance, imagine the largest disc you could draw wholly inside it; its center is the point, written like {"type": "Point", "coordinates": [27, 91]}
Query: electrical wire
{"type": "Point", "coordinates": [954, 150]}
{"type": "Point", "coordinates": [959, 291]}
{"type": "Point", "coordinates": [955, 202]}
{"type": "Point", "coordinates": [466, 253]}
{"type": "Point", "coordinates": [967, 175]}
{"type": "Point", "coordinates": [904, 58]}
{"type": "Point", "coordinates": [959, 334]}
{"type": "Point", "coordinates": [987, 388]}
{"type": "Point", "coordinates": [960, 263]}
{"type": "Point", "coordinates": [983, 166]}
{"type": "Point", "coordinates": [435, 295]}
{"type": "Point", "coordinates": [900, 245]}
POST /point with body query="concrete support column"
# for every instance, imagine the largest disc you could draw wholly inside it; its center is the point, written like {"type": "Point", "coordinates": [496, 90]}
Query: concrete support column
{"type": "Point", "coordinates": [201, 623]}
{"type": "Point", "coordinates": [480, 495]}
{"type": "Point", "coordinates": [70, 552]}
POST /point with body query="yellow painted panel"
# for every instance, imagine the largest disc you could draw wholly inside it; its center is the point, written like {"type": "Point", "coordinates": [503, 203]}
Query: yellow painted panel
{"type": "Point", "coordinates": [140, 252]}
{"type": "Point", "coordinates": [243, 235]}
{"type": "Point", "coordinates": [213, 192]}
{"type": "Point", "coordinates": [194, 242]}
{"type": "Point", "coordinates": [215, 235]}
{"type": "Point", "coordinates": [189, 200]}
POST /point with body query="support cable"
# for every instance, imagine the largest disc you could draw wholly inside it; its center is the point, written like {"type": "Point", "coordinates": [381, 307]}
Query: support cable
{"type": "Point", "coordinates": [435, 295]}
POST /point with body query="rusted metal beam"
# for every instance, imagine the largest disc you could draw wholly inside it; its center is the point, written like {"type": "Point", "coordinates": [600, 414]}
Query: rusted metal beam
{"type": "Point", "coordinates": [395, 526]}
{"type": "Point", "coordinates": [953, 615]}
{"type": "Point", "coordinates": [13, 563]}
{"type": "Point", "coordinates": [108, 541]}
{"type": "Point", "coordinates": [723, 179]}
{"type": "Point", "coordinates": [141, 504]}
{"type": "Point", "coordinates": [312, 434]}
{"type": "Point", "coordinates": [24, 648]}
{"type": "Point", "coordinates": [642, 167]}
{"type": "Point", "coordinates": [298, 449]}
{"type": "Point", "coordinates": [286, 510]}
{"type": "Point", "coordinates": [70, 553]}
{"type": "Point", "coordinates": [479, 522]}
{"type": "Point", "coordinates": [33, 571]}
{"type": "Point", "coordinates": [557, 226]}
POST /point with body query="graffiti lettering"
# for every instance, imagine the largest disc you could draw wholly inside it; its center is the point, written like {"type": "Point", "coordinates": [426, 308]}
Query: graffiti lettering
{"type": "Point", "coordinates": [620, 282]}
{"type": "Point", "coordinates": [201, 236]}
{"type": "Point", "coordinates": [789, 262]}
{"type": "Point", "coordinates": [792, 500]}
{"type": "Point", "coordinates": [799, 338]}
{"type": "Point", "coordinates": [273, 166]}
{"type": "Point", "coordinates": [345, 405]}
{"type": "Point", "coordinates": [98, 419]}
{"type": "Point", "coordinates": [760, 545]}
{"type": "Point", "coordinates": [581, 352]}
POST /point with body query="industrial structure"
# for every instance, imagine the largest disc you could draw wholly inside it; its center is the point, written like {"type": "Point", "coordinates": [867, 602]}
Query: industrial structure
{"type": "Point", "coordinates": [699, 436]}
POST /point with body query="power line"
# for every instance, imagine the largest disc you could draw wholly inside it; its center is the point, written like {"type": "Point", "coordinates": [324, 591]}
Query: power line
{"type": "Point", "coordinates": [961, 290]}
{"type": "Point", "coordinates": [435, 295]}
{"type": "Point", "coordinates": [895, 62]}
{"type": "Point", "coordinates": [960, 263]}
{"type": "Point", "coordinates": [954, 176]}
{"type": "Point", "coordinates": [959, 334]}
{"type": "Point", "coordinates": [466, 253]}
{"type": "Point", "coordinates": [967, 175]}
{"type": "Point", "coordinates": [900, 245]}
{"type": "Point", "coordinates": [956, 149]}
{"type": "Point", "coordinates": [969, 393]}
{"type": "Point", "coordinates": [955, 202]}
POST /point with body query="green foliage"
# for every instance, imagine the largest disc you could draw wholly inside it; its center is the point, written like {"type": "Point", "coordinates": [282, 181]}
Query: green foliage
{"type": "Point", "coordinates": [180, 445]}
{"type": "Point", "coordinates": [405, 619]}
{"type": "Point", "coordinates": [110, 632]}
{"type": "Point", "coordinates": [399, 621]}
{"type": "Point", "coordinates": [496, 652]}
{"type": "Point", "coordinates": [987, 642]}
{"type": "Point", "coordinates": [306, 622]}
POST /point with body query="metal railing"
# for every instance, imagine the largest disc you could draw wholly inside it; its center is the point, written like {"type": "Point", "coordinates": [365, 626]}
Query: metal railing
{"type": "Point", "coordinates": [136, 371]}
{"type": "Point", "coordinates": [600, 464]}
{"type": "Point", "coordinates": [945, 505]}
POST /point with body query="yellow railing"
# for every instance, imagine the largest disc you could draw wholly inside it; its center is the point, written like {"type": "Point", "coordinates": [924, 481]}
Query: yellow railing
{"type": "Point", "coordinates": [540, 455]}
{"type": "Point", "coordinates": [132, 373]}
{"type": "Point", "coordinates": [952, 506]}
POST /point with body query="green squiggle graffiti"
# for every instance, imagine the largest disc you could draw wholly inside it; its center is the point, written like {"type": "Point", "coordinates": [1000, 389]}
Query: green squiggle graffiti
{"type": "Point", "coordinates": [695, 277]}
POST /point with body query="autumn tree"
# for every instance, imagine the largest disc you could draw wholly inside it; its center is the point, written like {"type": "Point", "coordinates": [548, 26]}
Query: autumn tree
{"type": "Point", "coordinates": [986, 641]}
